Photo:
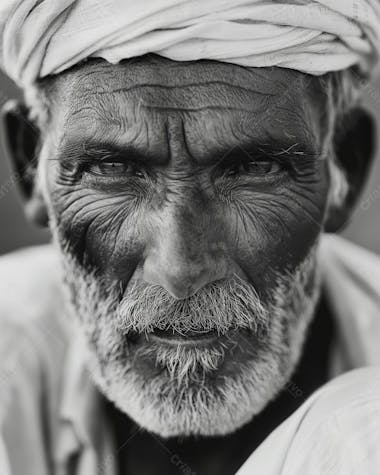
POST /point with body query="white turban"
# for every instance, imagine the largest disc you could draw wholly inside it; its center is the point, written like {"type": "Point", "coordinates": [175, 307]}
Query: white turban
{"type": "Point", "coordinates": [42, 37]}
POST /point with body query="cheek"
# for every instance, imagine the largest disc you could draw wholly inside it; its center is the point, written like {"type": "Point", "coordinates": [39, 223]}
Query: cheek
{"type": "Point", "coordinates": [102, 232]}
{"type": "Point", "coordinates": [100, 229]}
{"type": "Point", "coordinates": [272, 233]}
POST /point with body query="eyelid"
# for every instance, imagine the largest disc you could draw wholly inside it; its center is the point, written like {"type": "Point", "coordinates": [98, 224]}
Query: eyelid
{"type": "Point", "coordinates": [132, 170]}
{"type": "Point", "coordinates": [85, 162]}
{"type": "Point", "coordinates": [107, 158]}
{"type": "Point", "coordinates": [246, 159]}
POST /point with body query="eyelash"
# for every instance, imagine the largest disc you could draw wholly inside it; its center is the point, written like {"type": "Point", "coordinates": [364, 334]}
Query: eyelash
{"type": "Point", "coordinates": [94, 168]}
{"type": "Point", "coordinates": [99, 169]}
{"type": "Point", "coordinates": [264, 168]}
{"type": "Point", "coordinates": [254, 168]}
{"type": "Point", "coordinates": [115, 167]}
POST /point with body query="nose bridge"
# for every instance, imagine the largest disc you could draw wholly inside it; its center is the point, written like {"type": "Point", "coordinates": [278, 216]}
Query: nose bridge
{"type": "Point", "coordinates": [181, 258]}
{"type": "Point", "coordinates": [188, 235]}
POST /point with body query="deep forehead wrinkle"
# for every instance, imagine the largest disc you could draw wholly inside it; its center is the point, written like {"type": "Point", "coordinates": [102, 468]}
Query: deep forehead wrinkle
{"type": "Point", "coordinates": [172, 73]}
{"type": "Point", "coordinates": [157, 85]}
{"type": "Point", "coordinates": [97, 77]}
{"type": "Point", "coordinates": [134, 99]}
{"type": "Point", "coordinates": [156, 82]}
{"type": "Point", "coordinates": [140, 119]}
{"type": "Point", "coordinates": [190, 93]}
{"type": "Point", "coordinates": [191, 97]}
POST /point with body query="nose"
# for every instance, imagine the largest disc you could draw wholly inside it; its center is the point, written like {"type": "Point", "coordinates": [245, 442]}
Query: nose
{"type": "Point", "coordinates": [184, 257]}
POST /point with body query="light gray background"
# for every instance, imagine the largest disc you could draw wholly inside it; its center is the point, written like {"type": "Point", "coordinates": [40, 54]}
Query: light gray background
{"type": "Point", "coordinates": [16, 232]}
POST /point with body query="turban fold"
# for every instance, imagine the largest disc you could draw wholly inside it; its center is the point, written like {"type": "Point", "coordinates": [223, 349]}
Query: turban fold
{"type": "Point", "coordinates": [43, 37]}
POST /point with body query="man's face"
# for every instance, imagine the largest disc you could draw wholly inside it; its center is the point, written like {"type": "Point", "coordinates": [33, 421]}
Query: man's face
{"type": "Point", "coordinates": [187, 201]}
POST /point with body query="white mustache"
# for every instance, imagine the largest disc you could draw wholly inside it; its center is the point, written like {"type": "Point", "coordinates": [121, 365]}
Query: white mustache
{"type": "Point", "coordinates": [220, 307]}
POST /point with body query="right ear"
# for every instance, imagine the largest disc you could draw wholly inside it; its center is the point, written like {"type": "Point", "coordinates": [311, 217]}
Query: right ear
{"type": "Point", "coordinates": [21, 139]}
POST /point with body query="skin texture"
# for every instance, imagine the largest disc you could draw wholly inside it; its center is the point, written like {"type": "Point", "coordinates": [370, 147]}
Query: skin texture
{"type": "Point", "coordinates": [184, 124]}
{"type": "Point", "coordinates": [172, 188]}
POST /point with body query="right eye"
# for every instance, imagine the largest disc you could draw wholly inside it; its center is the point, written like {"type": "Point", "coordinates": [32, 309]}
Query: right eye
{"type": "Point", "coordinates": [113, 168]}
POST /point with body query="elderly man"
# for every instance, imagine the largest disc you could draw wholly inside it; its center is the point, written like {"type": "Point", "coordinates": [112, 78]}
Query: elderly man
{"type": "Point", "coordinates": [188, 157]}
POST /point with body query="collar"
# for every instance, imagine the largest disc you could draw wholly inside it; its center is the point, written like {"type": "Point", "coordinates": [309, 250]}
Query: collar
{"type": "Point", "coordinates": [85, 441]}
{"type": "Point", "coordinates": [351, 280]}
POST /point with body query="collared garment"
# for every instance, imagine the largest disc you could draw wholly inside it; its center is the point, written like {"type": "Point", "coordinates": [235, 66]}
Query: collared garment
{"type": "Point", "coordinates": [53, 420]}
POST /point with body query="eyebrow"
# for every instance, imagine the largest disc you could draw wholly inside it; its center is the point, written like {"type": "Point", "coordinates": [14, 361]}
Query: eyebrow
{"type": "Point", "coordinates": [94, 150]}
{"type": "Point", "coordinates": [276, 149]}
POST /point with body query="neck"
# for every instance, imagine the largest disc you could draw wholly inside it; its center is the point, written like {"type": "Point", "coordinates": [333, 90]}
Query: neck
{"type": "Point", "coordinates": [225, 455]}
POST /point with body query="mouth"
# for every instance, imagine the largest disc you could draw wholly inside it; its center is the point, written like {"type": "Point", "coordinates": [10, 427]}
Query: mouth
{"type": "Point", "coordinates": [180, 353]}
{"type": "Point", "coordinates": [175, 338]}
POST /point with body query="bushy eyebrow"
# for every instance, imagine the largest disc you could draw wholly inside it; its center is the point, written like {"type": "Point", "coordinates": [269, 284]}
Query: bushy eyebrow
{"type": "Point", "coordinates": [94, 150]}
{"type": "Point", "coordinates": [88, 150]}
{"type": "Point", "coordinates": [277, 149]}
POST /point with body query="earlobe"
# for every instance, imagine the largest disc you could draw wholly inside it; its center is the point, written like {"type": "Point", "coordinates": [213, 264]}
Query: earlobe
{"type": "Point", "coordinates": [354, 147]}
{"type": "Point", "coordinates": [21, 139]}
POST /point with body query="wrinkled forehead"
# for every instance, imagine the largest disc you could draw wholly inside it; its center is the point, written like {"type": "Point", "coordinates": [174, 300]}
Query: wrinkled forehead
{"type": "Point", "coordinates": [210, 102]}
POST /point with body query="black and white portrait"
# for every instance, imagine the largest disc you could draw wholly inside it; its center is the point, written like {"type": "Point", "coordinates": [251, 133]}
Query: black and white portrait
{"type": "Point", "coordinates": [189, 238]}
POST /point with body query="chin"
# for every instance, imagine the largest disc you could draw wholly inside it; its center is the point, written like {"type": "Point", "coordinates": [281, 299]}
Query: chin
{"type": "Point", "coordinates": [221, 389]}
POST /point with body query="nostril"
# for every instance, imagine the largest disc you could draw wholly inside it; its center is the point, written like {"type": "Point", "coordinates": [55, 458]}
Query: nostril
{"type": "Point", "coordinates": [179, 276]}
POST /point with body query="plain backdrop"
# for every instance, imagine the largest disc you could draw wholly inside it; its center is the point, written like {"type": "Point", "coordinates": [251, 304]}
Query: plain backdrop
{"type": "Point", "coordinates": [16, 232]}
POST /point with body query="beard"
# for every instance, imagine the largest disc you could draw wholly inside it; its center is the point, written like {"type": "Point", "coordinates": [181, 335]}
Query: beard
{"type": "Point", "coordinates": [206, 389]}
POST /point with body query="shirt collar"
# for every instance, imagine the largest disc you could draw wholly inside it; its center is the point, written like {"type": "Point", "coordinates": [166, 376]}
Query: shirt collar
{"type": "Point", "coordinates": [351, 280]}
{"type": "Point", "coordinates": [84, 434]}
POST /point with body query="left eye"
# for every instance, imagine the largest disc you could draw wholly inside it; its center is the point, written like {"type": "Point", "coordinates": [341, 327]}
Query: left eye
{"type": "Point", "coordinates": [113, 168]}
{"type": "Point", "coordinates": [257, 168]}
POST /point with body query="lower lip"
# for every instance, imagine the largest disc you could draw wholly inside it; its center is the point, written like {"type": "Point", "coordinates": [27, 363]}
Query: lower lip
{"type": "Point", "coordinates": [176, 339]}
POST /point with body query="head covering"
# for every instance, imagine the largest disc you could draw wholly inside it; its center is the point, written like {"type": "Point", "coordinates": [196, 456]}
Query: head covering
{"type": "Point", "coordinates": [42, 37]}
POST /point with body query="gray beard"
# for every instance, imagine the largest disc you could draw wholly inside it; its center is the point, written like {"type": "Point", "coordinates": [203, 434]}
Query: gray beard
{"type": "Point", "coordinates": [186, 393]}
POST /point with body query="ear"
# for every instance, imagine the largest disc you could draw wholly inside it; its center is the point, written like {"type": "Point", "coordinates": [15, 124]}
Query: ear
{"type": "Point", "coordinates": [21, 140]}
{"type": "Point", "coordinates": [355, 145]}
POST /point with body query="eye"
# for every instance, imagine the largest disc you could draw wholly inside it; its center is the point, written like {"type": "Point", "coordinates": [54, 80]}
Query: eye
{"type": "Point", "coordinates": [114, 168]}
{"type": "Point", "coordinates": [255, 168]}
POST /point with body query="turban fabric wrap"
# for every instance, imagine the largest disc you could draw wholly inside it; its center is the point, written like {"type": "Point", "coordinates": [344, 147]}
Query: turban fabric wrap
{"type": "Point", "coordinates": [43, 37]}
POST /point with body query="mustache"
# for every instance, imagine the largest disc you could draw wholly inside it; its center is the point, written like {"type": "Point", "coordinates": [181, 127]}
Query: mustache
{"type": "Point", "coordinates": [220, 306]}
